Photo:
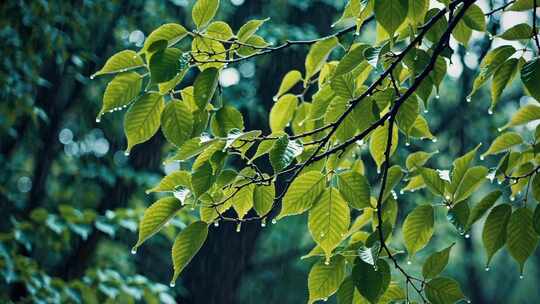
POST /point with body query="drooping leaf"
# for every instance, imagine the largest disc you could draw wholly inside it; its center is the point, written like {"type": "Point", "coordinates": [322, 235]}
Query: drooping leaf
{"type": "Point", "coordinates": [371, 281]}
{"type": "Point", "coordinates": [418, 228]}
{"type": "Point", "coordinates": [263, 198]}
{"type": "Point", "coordinates": [329, 220]}
{"type": "Point", "coordinates": [443, 291]}
{"type": "Point", "coordinates": [155, 217]}
{"type": "Point", "coordinates": [242, 201]}
{"type": "Point", "coordinates": [219, 30]}
{"type": "Point", "coordinates": [302, 193]}
{"type": "Point", "coordinates": [530, 75]}
{"type": "Point", "coordinates": [502, 78]}
{"type": "Point", "coordinates": [483, 206]}
{"type": "Point", "coordinates": [521, 238]}
{"type": "Point", "coordinates": [324, 278]}
{"type": "Point", "coordinates": [142, 119]}
{"type": "Point", "coordinates": [120, 92]}
{"type": "Point", "coordinates": [202, 179]}
{"type": "Point", "coordinates": [177, 122]}
{"type": "Point", "coordinates": [525, 115]}
{"type": "Point", "coordinates": [473, 178]}
{"type": "Point", "coordinates": [378, 143]}
{"type": "Point", "coordinates": [204, 11]}
{"type": "Point", "coordinates": [491, 62]}
{"type": "Point", "coordinates": [436, 263]}
{"type": "Point", "coordinates": [460, 167]}
{"type": "Point", "coordinates": [120, 62]}
{"type": "Point", "coordinates": [186, 245]}
{"type": "Point", "coordinates": [204, 86]}
{"type": "Point", "coordinates": [494, 233]}
{"type": "Point", "coordinates": [390, 14]}
{"type": "Point", "coordinates": [474, 18]}
{"type": "Point", "coordinates": [458, 216]}
{"type": "Point", "coordinates": [355, 189]}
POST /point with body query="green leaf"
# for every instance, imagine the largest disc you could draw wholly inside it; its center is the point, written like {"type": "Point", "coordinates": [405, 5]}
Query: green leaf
{"type": "Point", "coordinates": [329, 220]}
{"type": "Point", "coordinates": [473, 178]}
{"type": "Point", "coordinates": [521, 238]}
{"type": "Point", "coordinates": [458, 216]}
{"type": "Point", "coordinates": [390, 14]}
{"type": "Point", "coordinates": [170, 182]}
{"type": "Point", "coordinates": [460, 167]}
{"type": "Point", "coordinates": [170, 32]}
{"type": "Point", "coordinates": [530, 76]}
{"type": "Point", "coordinates": [433, 181]}
{"type": "Point", "coordinates": [502, 78]}
{"type": "Point", "coordinates": [202, 179]}
{"type": "Point", "coordinates": [324, 279]}
{"type": "Point", "coordinates": [355, 189]}
{"type": "Point", "coordinates": [491, 62]}
{"type": "Point", "coordinates": [443, 291]}
{"type": "Point", "coordinates": [504, 142]}
{"type": "Point", "coordinates": [371, 281]}
{"type": "Point", "coordinates": [282, 112]}
{"type": "Point", "coordinates": [347, 293]}
{"type": "Point", "coordinates": [283, 152]}
{"type": "Point", "coordinates": [204, 86]}
{"type": "Point", "coordinates": [417, 10]}
{"type": "Point", "coordinates": [177, 122]}
{"type": "Point", "coordinates": [120, 62]}
{"type": "Point", "coordinates": [208, 50]}
{"type": "Point", "coordinates": [142, 119]}
{"type": "Point", "coordinates": [417, 160]}
{"type": "Point", "coordinates": [395, 174]}
{"type": "Point", "coordinates": [523, 5]}
{"type": "Point", "coordinates": [263, 198]}
{"type": "Point", "coordinates": [219, 30]}
{"type": "Point", "coordinates": [353, 58]}
{"type": "Point", "coordinates": [462, 33]}
{"type": "Point", "coordinates": [517, 32]}
{"type": "Point", "coordinates": [494, 233]}
{"type": "Point", "coordinates": [407, 113]}
{"type": "Point", "coordinates": [204, 11]}
{"type": "Point", "coordinates": [164, 65]}
{"type": "Point", "coordinates": [192, 148]}
{"type": "Point", "coordinates": [155, 217]}
{"type": "Point", "coordinates": [289, 80]}
{"type": "Point", "coordinates": [536, 219]}
{"type": "Point", "coordinates": [436, 263]}
{"type": "Point", "coordinates": [394, 294]}
{"type": "Point", "coordinates": [483, 206]}
{"type": "Point", "coordinates": [120, 92]}
{"type": "Point", "coordinates": [535, 187]}
{"type": "Point", "coordinates": [525, 115]}
{"type": "Point", "coordinates": [317, 55]}
{"type": "Point", "coordinates": [186, 245]}
{"type": "Point", "coordinates": [418, 228]}
{"type": "Point", "coordinates": [350, 13]}
{"type": "Point", "coordinates": [420, 128]}
{"type": "Point", "coordinates": [474, 18]}
{"type": "Point", "coordinates": [249, 28]}
{"type": "Point", "coordinates": [242, 201]}
{"type": "Point", "coordinates": [302, 193]}
{"type": "Point", "coordinates": [226, 119]}
{"type": "Point", "coordinates": [378, 143]}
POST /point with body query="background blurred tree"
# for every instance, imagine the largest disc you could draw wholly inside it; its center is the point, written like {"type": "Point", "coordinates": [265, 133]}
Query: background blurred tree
{"type": "Point", "coordinates": [74, 199]}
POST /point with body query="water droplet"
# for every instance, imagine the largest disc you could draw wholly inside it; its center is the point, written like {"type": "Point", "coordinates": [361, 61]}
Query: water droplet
{"type": "Point", "coordinates": [401, 192]}
{"type": "Point", "coordinates": [98, 120]}
{"type": "Point", "coordinates": [467, 236]}
{"type": "Point", "coordinates": [126, 153]}
{"type": "Point", "coordinates": [378, 170]}
{"type": "Point", "coordinates": [322, 234]}
{"type": "Point", "coordinates": [521, 277]}
{"type": "Point", "coordinates": [499, 129]}
{"type": "Point", "coordinates": [426, 111]}
{"type": "Point", "coordinates": [469, 301]}
{"type": "Point", "coordinates": [490, 112]}
{"type": "Point", "coordinates": [487, 268]}
{"type": "Point", "coordinates": [437, 97]}
{"type": "Point", "coordinates": [263, 222]}
{"type": "Point", "coordinates": [274, 221]}
{"type": "Point", "coordinates": [325, 299]}
{"type": "Point", "coordinates": [434, 139]}
{"type": "Point", "coordinates": [134, 250]}
{"type": "Point", "coordinates": [216, 223]}
{"type": "Point", "coordinates": [512, 198]}
{"type": "Point", "coordinates": [172, 284]}
{"type": "Point", "coordinates": [92, 76]}
{"type": "Point", "coordinates": [482, 157]}
{"type": "Point", "coordinates": [447, 197]}
{"type": "Point", "coordinates": [468, 99]}
{"type": "Point", "coordinates": [499, 182]}
{"type": "Point", "coordinates": [238, 227]}
{"type": "Point", "coordinates": [409, 262]}
{"type": "Point", "coordinates": [275, 98]}
{"type": "Point", "coordinates": [448, 207]}
{"type": "Point", "coordinates": [407, 144]}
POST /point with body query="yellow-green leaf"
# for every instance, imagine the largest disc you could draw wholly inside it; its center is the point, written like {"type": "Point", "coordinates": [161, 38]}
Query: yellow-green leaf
{"type": "Point", "coordinates": [418, 228]}
{"type": "Point", "coordinates": [494, 232]}
{"type": "Point", "coordinates": [263, 198]}
{"type": "Point", "coordinates": [204, 11]}
{"type": "Point", "coordinates": [170, 182]}
{"type": "Point", "coordinates": [282, 112]}
{"type": "Point", "coordinates": [317, 55]}
{"type": "Point", "coordinates": [204, 86]}
{"type": "Point", "coordinates": [302, 193]}
{"type": "Point", "coordinates": [120, 62]}
{"type": "Point", "coordinates": [176, 122]}
{"type": "Point", "coordinates": [525, 115]}
{"type": "Point", "coordinates": [142, 119]}
{"type": "Point", "coordinates": [436, 263]}
{"type": "Point", "coordinates": [155, 217]}
{"type": "Point", "coordinates": [521, 239]}
{"type": "Point", "coordinates": [517, 32]}
{"type": "Point", "coordinates": [390, 14]}
{"type": "Point", "coordinates": [170, 32]}
{"type": "Point", "coordinates": [378, 143]}
{"type": "Point", "coordinates": [324, 278]}
{"type": "Point", "coordinates": [186, 245]}
{"type": "Point", "coordinates": [443, 291]}
{"type": "Point", "coordinates": [504, 142]}
{"type": "Point", "coordinates": [355, 189]}
{"type": "Point", "coordinates": [289, 80]}
{"type": "Point", "coordinates": [120, 92]}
